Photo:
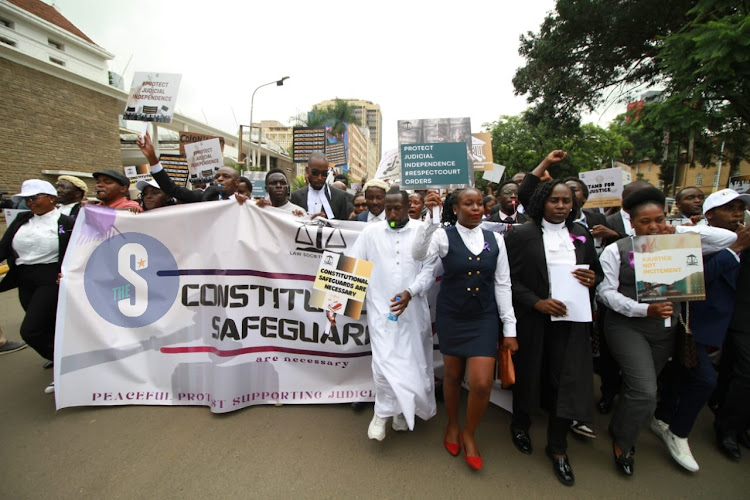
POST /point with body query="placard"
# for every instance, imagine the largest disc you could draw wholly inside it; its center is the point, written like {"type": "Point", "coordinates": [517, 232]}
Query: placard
{"type": "Point", "coordinates": [341, 284]}
{"type": "Point", "coordinates": [668, 267]}
{"type": "Point", "coordinates": [481, 151]}
{"type": "Point", "coordinates": [605, 187]}
{"type": "Point", "coordinates": [11, 214]}
{"type": "Point", "coordinates": [436, 153]}
{"type": "Point", "coordinates": [152, 97]}
{"type": "Point", "coordinates": [190, 137]}
{"type": "Point", "coordinates": [203, 159]}
{"type": "Point", "coordinates": [435, 165]}
{"type": "Point", "coordinates": [495, 175]}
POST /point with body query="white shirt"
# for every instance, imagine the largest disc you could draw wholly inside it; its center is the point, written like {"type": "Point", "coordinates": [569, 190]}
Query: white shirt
{"type": "Point", "coordinates": [504, 216]}
{"type": "Point", "coordinates": [626, 223]}
{"type": "Point", "coordinates": [375, 218]}
{"type": "Point", "coordinates": [430, 241]}
{"type": "Point", "coordinates": [291, 207]}
{"type": "Point", "coordinates": [66, 209]}
{"type": "Point", "coordinates": [713, 239]}
{"type": "Point", "coordinates": [558, 249]}
{"type": "Point", "coordinates": [37, 241]}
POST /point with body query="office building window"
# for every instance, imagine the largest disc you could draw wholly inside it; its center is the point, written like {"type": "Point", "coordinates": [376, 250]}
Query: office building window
{"type": "Point", "coordinates": [699, 180]}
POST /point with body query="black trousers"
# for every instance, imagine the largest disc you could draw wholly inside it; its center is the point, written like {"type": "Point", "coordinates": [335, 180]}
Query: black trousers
{"type": "Point", "coordinates": [555, 341]}
{"type": "Point", "coordinates": [734, 413]}
{"type": "Point", "coordinates": [37, 292]}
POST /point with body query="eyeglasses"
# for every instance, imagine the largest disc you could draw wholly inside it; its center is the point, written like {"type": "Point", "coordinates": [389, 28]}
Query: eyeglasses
{"type": "Point", "coordinates": [318, 173]}
{"type": "Point", "coordinates": [360, 204]}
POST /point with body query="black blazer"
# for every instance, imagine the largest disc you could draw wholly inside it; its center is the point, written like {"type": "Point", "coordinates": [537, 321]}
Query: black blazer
{"type": "Point", "coordinates": [530, 281]}
{"type": "Point", "coordinates": [614, 221]}
{"type": "Point", "coordinates": [336, 197]}
{"type": "Point", "coordinates": [10, 281]}
{"type": "Point", "coordinates": [183, 194]}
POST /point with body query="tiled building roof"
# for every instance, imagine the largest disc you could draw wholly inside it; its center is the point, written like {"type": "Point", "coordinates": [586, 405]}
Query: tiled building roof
{"type": "Point", "coordinates": [49, 14]}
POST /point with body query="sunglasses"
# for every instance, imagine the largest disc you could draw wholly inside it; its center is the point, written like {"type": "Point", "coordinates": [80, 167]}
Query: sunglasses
{"type": "Point", "coordinates": [33, 198]}
{"type": "Point", "coordinates": [360, 204]}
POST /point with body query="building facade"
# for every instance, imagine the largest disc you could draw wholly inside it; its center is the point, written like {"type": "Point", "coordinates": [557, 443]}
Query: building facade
{"type": "Point", "coordinates": [369, 116]}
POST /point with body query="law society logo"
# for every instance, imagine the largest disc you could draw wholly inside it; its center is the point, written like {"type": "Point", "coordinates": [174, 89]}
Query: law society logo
{"type": "Point", "coordinates": [318, 236]}
{"type": "Point", "coordinates": [124, 283]}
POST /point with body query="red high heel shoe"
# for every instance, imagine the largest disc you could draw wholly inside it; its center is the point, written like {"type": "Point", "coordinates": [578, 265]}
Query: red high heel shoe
{"type": "Point", "coordinates": [473, 462]}
{"type": "Point", "coordinates": [452, 448]}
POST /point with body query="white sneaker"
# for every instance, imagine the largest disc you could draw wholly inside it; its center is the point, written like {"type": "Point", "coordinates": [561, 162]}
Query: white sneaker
{"type": "Point", "coordinates": [377, 428]}
{"type": "Point", "coordinates": [659, 427]}
{"type": "Point", "coordinates": [399, 423]}
{"type": "Point", "coordinates": [680, 451]}
{"type": "Point", "coordinates": [50, 389]}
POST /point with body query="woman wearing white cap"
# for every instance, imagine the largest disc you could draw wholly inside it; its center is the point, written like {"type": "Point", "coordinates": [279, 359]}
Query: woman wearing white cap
{"type": "Point", "coordinates": [34, 246]}
{"type": "Point", "coordinates": [152, 196]}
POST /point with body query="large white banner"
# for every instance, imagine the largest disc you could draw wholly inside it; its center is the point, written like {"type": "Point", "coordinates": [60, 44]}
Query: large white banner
{"type": "Point", "coordinates": [203, 304]}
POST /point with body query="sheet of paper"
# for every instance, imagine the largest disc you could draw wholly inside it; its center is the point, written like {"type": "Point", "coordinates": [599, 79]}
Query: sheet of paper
{"type": "Point", "coordinates": [564, 286]}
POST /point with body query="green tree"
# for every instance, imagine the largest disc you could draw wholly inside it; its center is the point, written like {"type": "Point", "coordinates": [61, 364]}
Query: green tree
{"type": "Point", "coordinates": [520, 143]}
{"type": "Point", "coordinates": [591, 52]}
{"type": "Point", "coordinates": [336, 116]}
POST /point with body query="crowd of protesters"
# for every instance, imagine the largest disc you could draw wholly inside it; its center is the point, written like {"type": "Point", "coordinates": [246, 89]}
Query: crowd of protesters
{"type": "Point", "coordinates": [494, 294]}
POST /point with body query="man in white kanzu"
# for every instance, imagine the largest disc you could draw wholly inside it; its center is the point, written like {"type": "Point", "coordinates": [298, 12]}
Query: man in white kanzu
{"type": "Point", "coordinates": [402, 349]}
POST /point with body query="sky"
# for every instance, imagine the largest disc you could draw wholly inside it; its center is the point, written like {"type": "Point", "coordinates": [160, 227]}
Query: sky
{"type": "Point", "coordinates": [416, 59]}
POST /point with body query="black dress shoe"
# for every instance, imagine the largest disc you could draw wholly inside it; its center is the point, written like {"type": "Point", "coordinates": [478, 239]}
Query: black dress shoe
{"type": "Point", "coordinates": [605, 404]}
{"type": "Point", "coordinates": [624, 463]}
{"type": "Point", "coordinates": [561, 467]}
{"type": "Point", "coordinates": [522, 440]}
{"type": "Point", "coordinates": [728, 445]}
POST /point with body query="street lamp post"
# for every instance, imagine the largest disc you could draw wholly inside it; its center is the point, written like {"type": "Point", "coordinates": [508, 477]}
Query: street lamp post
{"type": "Point", "coordinates": [278, 83]}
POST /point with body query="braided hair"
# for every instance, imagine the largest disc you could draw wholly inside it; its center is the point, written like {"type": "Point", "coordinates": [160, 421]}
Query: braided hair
{"type": "Point", "coordinates": [535, 210]}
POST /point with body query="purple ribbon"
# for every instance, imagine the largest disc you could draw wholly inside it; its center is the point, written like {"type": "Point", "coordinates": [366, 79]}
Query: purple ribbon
{"type": "Point", "coordinates": [631, 260]}
{"type": "Point", "coordinates": [574, 237]}
{"type": "Point", "coordinates": [60, 229]}
{"type": "Point", "coordinates": [486, 246]}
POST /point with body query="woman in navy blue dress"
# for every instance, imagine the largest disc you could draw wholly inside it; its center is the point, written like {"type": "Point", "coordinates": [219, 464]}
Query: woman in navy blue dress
{"type": "Point", "coordinates": [475, 295]}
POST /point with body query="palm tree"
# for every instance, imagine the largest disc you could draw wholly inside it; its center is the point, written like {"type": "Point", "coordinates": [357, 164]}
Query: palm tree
{"type": "Point", "coordinates": [335, 116]}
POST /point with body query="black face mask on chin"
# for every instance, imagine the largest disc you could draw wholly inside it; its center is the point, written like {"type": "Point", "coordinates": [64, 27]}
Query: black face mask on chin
{"type": "Point", "coordinates": [399, 224]}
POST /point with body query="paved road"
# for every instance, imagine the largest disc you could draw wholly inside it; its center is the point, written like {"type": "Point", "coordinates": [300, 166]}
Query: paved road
{"type": "Point", "coordinates": [301, 452]}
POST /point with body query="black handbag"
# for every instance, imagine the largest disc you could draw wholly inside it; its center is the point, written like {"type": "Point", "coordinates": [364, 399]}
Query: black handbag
{"type": "Point", "coordinates": [686, 352]}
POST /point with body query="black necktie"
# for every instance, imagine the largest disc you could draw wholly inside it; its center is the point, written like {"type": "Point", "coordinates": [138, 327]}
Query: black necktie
{"type": "Point", "coordinates": [508, 220]}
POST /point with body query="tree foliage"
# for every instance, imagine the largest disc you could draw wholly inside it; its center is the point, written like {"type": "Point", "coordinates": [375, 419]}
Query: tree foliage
{"type": "Point", "coordinates": [591, 52]}
{"type": "Point", "coordinates": [520, 144]}
{"type": "Point", "coordinates": [336, 116]}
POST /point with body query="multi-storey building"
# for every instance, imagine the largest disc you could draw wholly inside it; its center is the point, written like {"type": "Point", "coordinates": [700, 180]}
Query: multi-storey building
{"type": "Point", "coordinates": [369, 116]}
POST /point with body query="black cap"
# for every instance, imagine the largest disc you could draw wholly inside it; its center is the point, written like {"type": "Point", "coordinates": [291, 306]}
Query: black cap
{"type": "Point", "coordinates": [114, 174]}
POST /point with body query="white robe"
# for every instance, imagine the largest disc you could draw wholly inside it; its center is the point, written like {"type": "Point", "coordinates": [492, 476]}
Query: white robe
{"type": "Point", "coordinates": [402, 359]}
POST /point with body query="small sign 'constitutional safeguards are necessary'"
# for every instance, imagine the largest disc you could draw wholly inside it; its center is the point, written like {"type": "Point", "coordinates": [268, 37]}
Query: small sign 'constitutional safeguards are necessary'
{"type": "Point", "coordinates": [152, 97]}
{"type": "Point", "coordinates": [668, 267]}
{"type": "Point", "coordinates": [341, 284]}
